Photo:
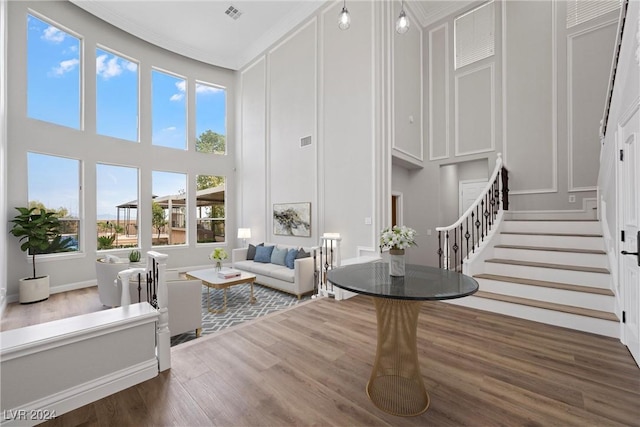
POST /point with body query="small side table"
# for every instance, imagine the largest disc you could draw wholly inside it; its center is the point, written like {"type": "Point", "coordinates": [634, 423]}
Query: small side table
{"type": "Point", "coordinates": [396, 385]}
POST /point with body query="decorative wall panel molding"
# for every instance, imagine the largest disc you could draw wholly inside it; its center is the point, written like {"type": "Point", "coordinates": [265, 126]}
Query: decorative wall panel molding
{"type": "Point", "coordinates": [583, 144]}
{"type": "Point", "coordinates": [510, 30]}
{"type": "Point", "coordinates": [475, 111]}
{"type": "Point", "coordinates": [438, 95]}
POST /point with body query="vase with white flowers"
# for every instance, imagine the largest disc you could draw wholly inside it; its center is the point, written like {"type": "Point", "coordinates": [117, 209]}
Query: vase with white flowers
{"type": "Point", "coordinates": [397, 239]}
{"type": "Point", "coordinates": [218, 255]}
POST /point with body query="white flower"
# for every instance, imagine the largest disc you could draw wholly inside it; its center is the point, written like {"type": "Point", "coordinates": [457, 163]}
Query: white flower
{"type": "Point", "coordinates": [218, 254]}
{"type": "Point", "coordinates": [397, 237]}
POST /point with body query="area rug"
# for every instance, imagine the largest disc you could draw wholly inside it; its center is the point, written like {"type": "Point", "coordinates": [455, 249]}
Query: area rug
{"type": "Point", "coordinates": [239, 309]}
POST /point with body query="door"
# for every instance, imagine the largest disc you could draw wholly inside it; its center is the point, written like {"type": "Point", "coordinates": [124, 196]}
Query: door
{"type": "Point", "coordinates": [629, 208]}
{"type": "Point", "coordinates": [469, 192]}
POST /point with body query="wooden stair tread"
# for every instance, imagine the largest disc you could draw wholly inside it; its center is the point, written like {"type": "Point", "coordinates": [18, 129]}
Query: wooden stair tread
{"type": "Point", "coordinates": [542, 248]}
{"type": "Point", "coordinates": [548, 265]}
{"type": "Point", "coordinates": [537, 233]}
{"type": "Point", "coordinates": [549, 306]}
{"type": "Point", "coordinates": [545, 284]}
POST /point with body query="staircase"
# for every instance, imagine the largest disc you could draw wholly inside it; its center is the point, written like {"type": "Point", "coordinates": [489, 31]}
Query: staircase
{"type": "Point", "coordinates": [550, 271]}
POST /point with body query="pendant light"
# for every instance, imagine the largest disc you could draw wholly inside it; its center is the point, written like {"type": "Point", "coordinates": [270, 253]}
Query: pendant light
{"type": "Point", "coordinates": [402, 23]}
{"type": "Point", "coordinates": [344, 19]}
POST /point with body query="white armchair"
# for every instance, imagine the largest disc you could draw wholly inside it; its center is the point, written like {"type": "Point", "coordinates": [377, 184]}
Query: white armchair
{"type": "Point", "coordinates": [109, 287]}
{"type": "Point", "coordinates": [185, 304]}
{"type": "Point", "coordinates": [184, 296]}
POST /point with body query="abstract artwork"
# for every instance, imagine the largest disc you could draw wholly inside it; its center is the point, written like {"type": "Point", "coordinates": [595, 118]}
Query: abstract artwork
{"type": "Point", "coordinates": [292, 219]}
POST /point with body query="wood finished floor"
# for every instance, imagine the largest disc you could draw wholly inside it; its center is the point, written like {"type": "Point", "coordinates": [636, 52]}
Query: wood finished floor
{"type": "Point", "coordinates": [309, 366]}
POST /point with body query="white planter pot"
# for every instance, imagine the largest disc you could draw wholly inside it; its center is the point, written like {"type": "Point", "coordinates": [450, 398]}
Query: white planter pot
{"type": "Point", "coordinates": [34, 290]}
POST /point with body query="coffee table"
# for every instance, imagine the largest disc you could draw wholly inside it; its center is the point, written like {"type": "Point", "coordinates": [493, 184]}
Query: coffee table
{"type": "Point", "coordinates": [210, 279]}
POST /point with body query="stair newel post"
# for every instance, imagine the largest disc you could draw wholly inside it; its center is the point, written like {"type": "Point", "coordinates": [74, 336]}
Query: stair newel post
{"type": "Point", "coordinates": [125, 279]}
{"type": "Point", "coordinates": [496, 191]}
{"type": "Point", "coordinates": [162, 331]}
{"type": "Point", "coordinates": [505, 188]}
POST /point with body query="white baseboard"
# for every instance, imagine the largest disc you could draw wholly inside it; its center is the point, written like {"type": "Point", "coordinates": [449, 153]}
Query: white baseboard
{"type": "Point", "coordinates": [72, 398]}
{"type": "Point", "coordinates": [58, 289]}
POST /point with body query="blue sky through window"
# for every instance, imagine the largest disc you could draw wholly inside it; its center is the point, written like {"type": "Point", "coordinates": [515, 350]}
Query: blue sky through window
{"type": "Point", "coordinates": [210, 109]}
{"type": "Point", "coordinates": [169, 110]}
{"type": "Point", "coordinates": [53, 74]}
{"type": "Point", "coordinates": [115, 185]}
{"type": "Point", "coordinates": [55, 182]}
{"type": "Point", "coordinates": [117, 96]}
{"type": "Point", "coordinates": [53, 95]}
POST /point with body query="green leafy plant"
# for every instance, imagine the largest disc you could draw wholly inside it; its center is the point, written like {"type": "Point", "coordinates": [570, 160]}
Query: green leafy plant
{"type": "Point", "coordinates": [157, 217]}
{"type": "Point", "coordinates": [39, 231]}
{"type": "Point", "coordinates": [134, 256]}
{"type": "Point", "coordinates": [218, 254]}
{"type": "Point", "coordinates": [106, 242]}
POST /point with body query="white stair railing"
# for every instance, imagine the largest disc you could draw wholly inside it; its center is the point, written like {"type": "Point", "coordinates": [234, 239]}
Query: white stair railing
{"type": "Point", "coordinates": [157, 296]}
{"type": "Point", "coordinates": [463, 237]}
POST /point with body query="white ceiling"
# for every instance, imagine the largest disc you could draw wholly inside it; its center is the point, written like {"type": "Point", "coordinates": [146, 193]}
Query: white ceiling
{"type": "Point", "coordinates": [201, 30]}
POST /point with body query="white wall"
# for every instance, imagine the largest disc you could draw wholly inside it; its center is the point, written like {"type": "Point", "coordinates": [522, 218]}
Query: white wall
{"type": "Point", "coordinates": [3, 154]}
{"type": "Point", "coordinates": [537, 100]}
{"type": "Point", "coordinates": [317, 81]}
{"type": "Point", "coordinates": [24, 134]}
{"type": "Point", "coordinates": [625, 104]}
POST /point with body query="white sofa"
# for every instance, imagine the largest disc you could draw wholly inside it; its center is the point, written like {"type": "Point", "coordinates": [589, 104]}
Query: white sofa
{"type": "Point", "coordinates": [297, 281]}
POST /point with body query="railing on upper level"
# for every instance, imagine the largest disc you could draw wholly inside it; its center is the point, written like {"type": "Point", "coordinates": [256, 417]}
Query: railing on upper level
{"type": "Point", "coordinates": [463, 237]}
{"type": "Point", "coordinates": [614, 69]}
{"type": "Point", "coordinates": [157, 296]}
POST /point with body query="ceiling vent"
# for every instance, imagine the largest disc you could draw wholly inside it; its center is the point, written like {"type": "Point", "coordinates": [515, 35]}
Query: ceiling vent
{"type": "Point", "coordinates": [305, 141]}
{"type": "Point", "coordinates": [232, 12]}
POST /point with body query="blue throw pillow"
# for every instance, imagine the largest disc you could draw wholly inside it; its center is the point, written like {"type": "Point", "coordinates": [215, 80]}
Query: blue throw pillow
{"type": "Point", "coordinates": [290, 259]}
{"type": "Point", "coordinates": [278, 255]}
{"type": "Point", "coordinates": [251, 251]}
{"type": "Point", "coordinates": [263, 254]}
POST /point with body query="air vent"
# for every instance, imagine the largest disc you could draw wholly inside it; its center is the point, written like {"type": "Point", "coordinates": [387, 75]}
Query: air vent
{"type": "Point", "coordinates": [305, 141]}
{"type": "Point", "coordinates": [233, 12]}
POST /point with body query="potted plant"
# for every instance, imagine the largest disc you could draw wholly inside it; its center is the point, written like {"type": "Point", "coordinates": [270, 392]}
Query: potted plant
{"type": "Point", "coordinates": [218, 255]}
{"type": "Point", "coordinates": [134, 258]}
{"type": "Point", "coordinates": [397, 239]}
{"type": "Point", "coordinates": [39, 232]}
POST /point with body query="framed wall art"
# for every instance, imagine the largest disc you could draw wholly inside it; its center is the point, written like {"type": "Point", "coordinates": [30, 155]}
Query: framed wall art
{"type": "Point", "coordinates": [292, 219]}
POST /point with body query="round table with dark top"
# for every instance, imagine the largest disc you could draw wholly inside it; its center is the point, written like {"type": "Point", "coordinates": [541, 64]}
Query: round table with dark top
{"type": "Point", "coordinates": [396, 384]}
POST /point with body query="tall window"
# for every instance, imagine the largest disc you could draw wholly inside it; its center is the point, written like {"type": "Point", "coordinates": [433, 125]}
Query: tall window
{"type": "Point", "coordinates": [54, 185]}
{"type": "Point", "coordinates": [211, 118]}
{"type": "Point", "coordinates": [53, 74]}
{"type": "Point", "coordinates": [169, 208]}
{"type": "Point", "coordinates": [116, 96]}
{"type": "Point", "coordinates": [210, 203]}
{"type": "Point", "coordinates": [117, 206]}
{"type": "Point", "coordinates": [169, 110]}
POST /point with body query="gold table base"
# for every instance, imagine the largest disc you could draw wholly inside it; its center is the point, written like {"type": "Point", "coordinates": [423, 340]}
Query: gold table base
{"type": "Point", "coordinates": [396, 384]}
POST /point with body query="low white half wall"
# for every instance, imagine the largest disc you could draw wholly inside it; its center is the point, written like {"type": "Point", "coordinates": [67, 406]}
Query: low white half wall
{"type": "Point", "coordinates": [55, 367]}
